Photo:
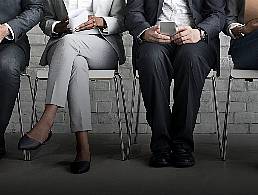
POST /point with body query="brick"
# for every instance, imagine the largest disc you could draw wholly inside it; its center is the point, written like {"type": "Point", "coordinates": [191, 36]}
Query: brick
{"type": "Point", "coordinates": [246, 117]}
{"type": "Point", "coordinates": [104, 106]}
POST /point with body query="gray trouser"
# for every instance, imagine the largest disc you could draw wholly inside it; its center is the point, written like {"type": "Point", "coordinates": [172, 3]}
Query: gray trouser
{"type": "Point", "coordinates": [70, 60]}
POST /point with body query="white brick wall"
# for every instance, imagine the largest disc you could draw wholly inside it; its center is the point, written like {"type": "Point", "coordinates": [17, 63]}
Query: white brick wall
{"type": "Point", "coordinates": [243, 116]}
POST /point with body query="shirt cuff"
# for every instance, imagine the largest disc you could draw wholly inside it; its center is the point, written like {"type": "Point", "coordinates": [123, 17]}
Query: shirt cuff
{"type": "Point", "coordinates": [232, 26]}
{"type": "Point", "coordinates": [11, 36]}
{"type": "Point", "coordinates": [53, 27]}
{"type": "Point", "coordinates": [139, 36]}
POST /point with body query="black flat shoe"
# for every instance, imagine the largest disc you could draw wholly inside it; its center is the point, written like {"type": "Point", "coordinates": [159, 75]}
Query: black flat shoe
{"type": "Point", "coordinates": [79, 167]}
{"type": "Point", "coordinates": [182, 158]}
{"type": "Point", "coordinates": [27, 143]}
{"type": "Point", "coordinates": [160, 160]}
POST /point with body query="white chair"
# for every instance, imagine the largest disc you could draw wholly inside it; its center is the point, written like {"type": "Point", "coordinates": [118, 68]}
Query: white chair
{"type": "Point", "coordinates": [248, 75]}
{"type": "Point", "coordinates": [212, 75]}
{"type": "Point", "coordinates": [26, 154]}
{"type": "Point", "coordinates": [99, 75]}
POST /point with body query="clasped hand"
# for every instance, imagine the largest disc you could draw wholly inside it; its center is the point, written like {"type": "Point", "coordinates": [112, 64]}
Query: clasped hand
{"type": "Point", "coordinates": [248, 28]}
{"type": "Point", "coordinates": [184, 35]}
{"type": "Point", "coordinates": [4, 32]}
{"type": "Point", "coordinates": [91, 23]}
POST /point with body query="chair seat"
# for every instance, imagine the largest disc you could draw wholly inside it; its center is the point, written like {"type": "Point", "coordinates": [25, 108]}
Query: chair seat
{"type": "Point", "coordinates": [101, 74]}
{"type": "Point", "coordinates": [42, 74]}
{"type": "Point", "coordinates": [211, 74]}
{"type": "Point", "coordinates": [244, 74]}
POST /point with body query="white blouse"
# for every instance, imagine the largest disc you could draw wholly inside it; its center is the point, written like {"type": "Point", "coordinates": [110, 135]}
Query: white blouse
{"type": "Point", "coordinates": [79, 4]}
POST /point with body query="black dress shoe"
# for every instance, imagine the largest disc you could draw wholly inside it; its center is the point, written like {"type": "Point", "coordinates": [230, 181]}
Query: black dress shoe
{"type": "Point", "coordinates": [159, 160]}
{"type": "Point", "coordinates": [27, 143]}
{"type": "Point", "coordinates": [79, 167]}
{"type": "Point", "coordinates": [182, 158]}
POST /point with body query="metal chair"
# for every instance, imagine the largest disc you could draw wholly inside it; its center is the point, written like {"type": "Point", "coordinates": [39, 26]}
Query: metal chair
{"type": "Point", "coordinates": [248, 75]}
{"type": "Point", "coordinates": [27, 156]}
{"type": "Point", "coordinates": [99, 75]}
{"type": "Point", "coordinates": [212, 76]}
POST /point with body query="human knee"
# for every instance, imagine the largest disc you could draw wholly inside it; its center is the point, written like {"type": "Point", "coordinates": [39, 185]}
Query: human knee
{"type": "Point", "coordinates": [9, 67]}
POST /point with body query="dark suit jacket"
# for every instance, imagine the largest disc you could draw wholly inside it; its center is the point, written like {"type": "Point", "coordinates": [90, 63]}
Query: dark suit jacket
{"type": "Point", "coordinates": [21, 15]}
{"type": "Point", "coordinates": [207, 14]}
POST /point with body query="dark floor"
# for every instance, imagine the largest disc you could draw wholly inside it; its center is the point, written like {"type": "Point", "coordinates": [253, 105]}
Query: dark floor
{"type": "Point", "coordinates": [48, 172]}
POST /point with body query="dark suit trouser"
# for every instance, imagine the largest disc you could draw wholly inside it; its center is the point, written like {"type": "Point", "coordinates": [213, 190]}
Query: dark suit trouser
{"type": "Point", "coordinates": [12, 61]}
{"type": "Point", "coordinates": [189, 66]}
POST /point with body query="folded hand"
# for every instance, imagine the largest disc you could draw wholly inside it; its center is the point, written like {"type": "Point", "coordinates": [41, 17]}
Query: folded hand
{"type": "Point", "coordinates": [4, 32]}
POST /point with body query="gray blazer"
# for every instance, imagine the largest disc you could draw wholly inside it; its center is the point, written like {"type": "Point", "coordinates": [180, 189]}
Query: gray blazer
{"type": "Point", "coordinates": [111, 10]}
{"type": "Point", "coordinates": [235, 13]}
{"type": "Point", "coordinates": [21, 16]}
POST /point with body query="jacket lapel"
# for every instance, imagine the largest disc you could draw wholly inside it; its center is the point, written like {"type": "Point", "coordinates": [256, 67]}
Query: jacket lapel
{"type": "Point", "coordinates": [160, 5]}
{"type": "Point", "coordinates": [190, 3]}
{"type": "Point", "coordinates": [95, 5]}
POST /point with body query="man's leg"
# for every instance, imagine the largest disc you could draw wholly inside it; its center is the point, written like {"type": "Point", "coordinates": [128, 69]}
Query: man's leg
{"type": "Point", "coordinates": [192, 65]}
{"type": "Point", "coordinates": [244, 51]}
{"type": "Point", "coordinates": [155, 71]}
{"type": "Point", "coordinates": [12, 60]}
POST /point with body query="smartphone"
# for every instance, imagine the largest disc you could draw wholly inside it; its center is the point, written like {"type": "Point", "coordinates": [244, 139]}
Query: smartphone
{"type": "Point", "coordinates": [168, 28]}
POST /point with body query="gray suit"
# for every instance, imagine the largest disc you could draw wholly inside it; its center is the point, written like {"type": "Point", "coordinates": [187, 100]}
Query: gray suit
{"type": "Point", "coordinates": [21, 16]}
{"type": "Point", "coordinates": [70, 56]}
{"type": "Point", "coordinates": [235, 12]}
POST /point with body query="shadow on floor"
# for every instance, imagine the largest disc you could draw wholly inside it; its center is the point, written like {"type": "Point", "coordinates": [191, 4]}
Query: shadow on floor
{"type": "Point", "coordinates": [48, 172]}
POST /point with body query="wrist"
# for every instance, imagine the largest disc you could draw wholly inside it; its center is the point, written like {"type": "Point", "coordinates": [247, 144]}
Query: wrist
{"type": "Point", "coordinates": [203, 35]}
{"type": "Point", "coordinates": [6, 30]}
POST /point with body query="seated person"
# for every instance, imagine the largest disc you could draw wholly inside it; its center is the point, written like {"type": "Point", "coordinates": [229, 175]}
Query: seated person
{"type": "Point", "coordinates": [17, 17]}
{"type": "Point", "coordinates": [95, 44]}
{"type": "Point", "coordinates": [244, 42]}
{"type": "Point", "coordinates": [187, 56]}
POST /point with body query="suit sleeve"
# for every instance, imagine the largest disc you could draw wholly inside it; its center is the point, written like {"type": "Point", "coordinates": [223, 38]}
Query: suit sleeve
{"type": "Point", "coordinates": [49, 18]}
{"type": "Point", "coordinates": [30, 17]}
{"type": "Point", "coordinates": [135, 20]}
{"type": "Point", "coordinates": [232, 12]}
{"type": "Point", "coordinates": [214, 14]}
{"type": "Point", "coordinates": [115, 20]}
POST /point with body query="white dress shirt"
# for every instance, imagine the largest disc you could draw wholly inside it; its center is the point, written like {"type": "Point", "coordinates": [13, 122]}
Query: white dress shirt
{"type": "Point", "coordinates": [177, 11]}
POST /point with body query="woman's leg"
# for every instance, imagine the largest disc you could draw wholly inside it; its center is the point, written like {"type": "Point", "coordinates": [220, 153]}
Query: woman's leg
{"type": "Point", "coordinates": [79, 107]}
{"type": "Point", "coordinates": [78, 92]}
{"type": "Point", "coordinates": [41, 130]}
{"type": "Point", "coordinates": [82, 146]}
{"type": "Point", "coordinates": [61, 57]}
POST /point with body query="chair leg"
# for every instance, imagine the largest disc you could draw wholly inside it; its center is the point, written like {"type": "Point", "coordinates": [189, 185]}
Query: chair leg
{"type": "Point", "coordinates": [122, 145]}
{"type": "Point", "coordinates": [25, 153]}
{"type": "Point", "coordinates": [224, 134]}
{"type": "Point", "coordinates": [217, 114]}
{"type": "Point", "coordinates": [132, 104]}
{"type": "Point", "coordinates": [137, 115]}
{"type": "Point", "coordinates": [128, 129]}
{"type": "Point", "coordinates": [33, 115]}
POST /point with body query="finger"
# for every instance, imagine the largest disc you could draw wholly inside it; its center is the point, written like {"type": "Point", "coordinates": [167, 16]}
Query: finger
{"type": "Point", "coordinates": [182, 34]}
{"type": "Point", "coordinates": [160, 36]}
{"type": "Point", "coordinates": [182, 28]}
{"type": "Point", "coordinates": [81, 27]}
{"type": "Point", "coordinates": [89, 22]}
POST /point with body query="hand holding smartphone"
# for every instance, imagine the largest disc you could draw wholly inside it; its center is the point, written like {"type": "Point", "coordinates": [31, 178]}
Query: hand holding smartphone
{"type": "Point", "coordinates": [168, 28]}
